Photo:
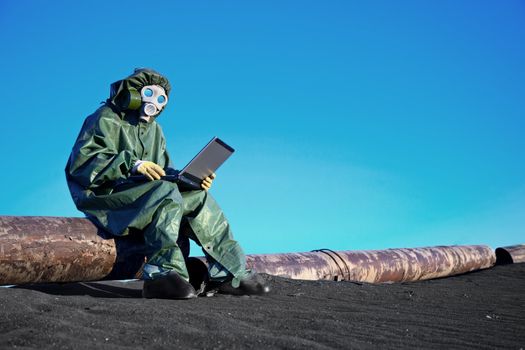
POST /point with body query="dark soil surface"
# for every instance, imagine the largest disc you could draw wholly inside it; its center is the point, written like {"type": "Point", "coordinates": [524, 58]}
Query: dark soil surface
{"type": "Point", "coordinates": [484, 309]}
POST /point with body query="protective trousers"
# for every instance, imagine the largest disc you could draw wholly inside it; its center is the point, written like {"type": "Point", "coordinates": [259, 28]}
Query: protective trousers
{"type": "Point", "coordinates": [209, 229]}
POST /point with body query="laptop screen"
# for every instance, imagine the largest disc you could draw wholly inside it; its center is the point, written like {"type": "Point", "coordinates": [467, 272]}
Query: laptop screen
{"type": "Point", "coordinates": [209, 159]}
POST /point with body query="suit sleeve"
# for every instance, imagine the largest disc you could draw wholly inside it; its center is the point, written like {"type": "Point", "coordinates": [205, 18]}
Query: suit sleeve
{"type": "Point", "coordinates": [95, 160]}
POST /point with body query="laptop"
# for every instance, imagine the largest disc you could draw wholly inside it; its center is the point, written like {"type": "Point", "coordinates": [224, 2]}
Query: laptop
{"type": "Point", "coordinates": [206, 162]}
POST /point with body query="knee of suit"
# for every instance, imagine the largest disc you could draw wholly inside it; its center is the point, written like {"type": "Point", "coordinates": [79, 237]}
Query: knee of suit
{"type": "Point", "coordinates": [170, 190]}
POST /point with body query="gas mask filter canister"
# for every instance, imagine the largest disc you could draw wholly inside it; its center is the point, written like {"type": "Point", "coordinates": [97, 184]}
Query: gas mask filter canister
{"type": "Point", "coordinates": [154, 99]}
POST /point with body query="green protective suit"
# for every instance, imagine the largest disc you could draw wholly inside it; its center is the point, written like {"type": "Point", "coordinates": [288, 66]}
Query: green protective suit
{"type": "Point", "coordinates": [111, 140]}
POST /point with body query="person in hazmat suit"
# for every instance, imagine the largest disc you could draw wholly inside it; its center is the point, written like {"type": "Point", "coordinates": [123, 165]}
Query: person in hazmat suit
{"type": "Point", "coordinates": [123, 139]}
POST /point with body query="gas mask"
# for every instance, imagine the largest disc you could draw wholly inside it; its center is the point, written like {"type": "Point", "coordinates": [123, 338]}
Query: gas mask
{"type": "Point", "coordinates": [150, 100]}
{"type": "Point", "coordinates": [153, 98]}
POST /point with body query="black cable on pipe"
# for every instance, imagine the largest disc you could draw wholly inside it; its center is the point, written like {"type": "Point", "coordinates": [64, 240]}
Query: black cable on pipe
{"type": "Point", "coordinates": [327, 252]}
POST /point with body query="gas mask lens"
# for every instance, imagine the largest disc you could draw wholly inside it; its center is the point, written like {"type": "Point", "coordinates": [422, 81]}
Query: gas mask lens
{"type": "Point", "coordinates": [148, 92]}
{"type": "Point", "coordinates": [154, 99]}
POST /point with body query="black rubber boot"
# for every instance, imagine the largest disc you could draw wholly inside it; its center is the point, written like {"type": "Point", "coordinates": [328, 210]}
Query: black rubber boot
{"type": "Point", "coordinates": [168, 286]}
{"type": "Point", "coordinates": [253, 284]}
{"type": "Point", "coordinates": [198, 272]}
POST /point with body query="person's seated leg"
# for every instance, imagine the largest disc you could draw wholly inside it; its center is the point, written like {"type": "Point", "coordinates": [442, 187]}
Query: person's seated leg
{"type": "Point", "coordinates": [226, 259]}
{"type": "Point", "coordinates": [165, 274]}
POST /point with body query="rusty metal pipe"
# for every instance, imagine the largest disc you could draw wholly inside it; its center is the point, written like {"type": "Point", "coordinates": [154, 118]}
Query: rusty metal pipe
{"type": "Point", "coordinates": [57, 249]}
{"type": "Point", "coordinates": [52, 249]}
{"type": "Point", "coordinates": [511, 254]}
{"type": "Point", "coordinates": [376, 266]}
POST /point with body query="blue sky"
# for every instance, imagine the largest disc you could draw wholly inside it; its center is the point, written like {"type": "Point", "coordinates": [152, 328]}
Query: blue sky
{"type": "Point", "coordinates": [357, 125]}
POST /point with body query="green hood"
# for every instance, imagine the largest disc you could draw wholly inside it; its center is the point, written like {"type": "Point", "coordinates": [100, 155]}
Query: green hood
{"type": "Point", "coordinates": [140, 78]}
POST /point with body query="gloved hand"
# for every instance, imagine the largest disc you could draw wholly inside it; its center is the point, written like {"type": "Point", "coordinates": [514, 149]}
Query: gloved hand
{"type": "Point", "coordinates": [149, 169]}
{"type": "Point", "coordinates": [206, 183]}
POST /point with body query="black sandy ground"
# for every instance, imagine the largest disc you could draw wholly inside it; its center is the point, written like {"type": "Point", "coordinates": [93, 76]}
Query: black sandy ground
{"type": "Point", "coordinates": [484, 309]}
